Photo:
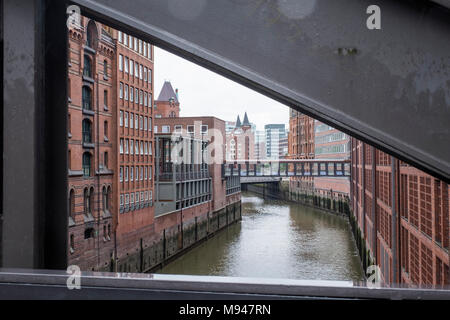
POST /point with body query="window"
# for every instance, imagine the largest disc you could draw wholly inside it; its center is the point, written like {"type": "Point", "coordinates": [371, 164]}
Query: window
{"type": "Point", "coordinates": [149, 75]}
{"type": "Point", "coordinates": [126, 146]}
{"type": "Point", "coordinates": [190, 129]}
{"type": "Point", "coordinates": [105, 99]}
{"type": "Point", "coordinates": [131, 67]}
{"type": "Point", "coordinates": [136, 196]}
{"type": "Point", "coordinates": [121, 146]}
{"type": "Point", "coordinates": [165, 129]}
{"type": "Point", "coordinates": [121, 118]}
{"type": "Point", "coordinates": [141, 97]}
{"type": "Point", "coordinates": [136, 148]}
{"type": "Point", "coordinates": [140, 46]}
{"type": "Point", "coordinates": [142, 148]}
{"type": "Point", "coordinates": [145, 174]}
{"type": "Point", "coordinates": [131, 94]}
{"type": "Point", "coordinates": [141, 122]}
{"type": "Point", "coordinates": [87, 131]}
{"type": "Point", "coordinates": [131, 120]}
{"type": "Point", "coordinates": [130, 40]}
{"type": "Point", "coordinates": [91, 34]}
{"type": "Point", "coordinates": [145, 124]}
{"type": "Point", "coordinates": [131, 173]}
{"type": "Point", "coordinates": [149, 51]}
{"type": "Point", "coordinates": [136, 95]}
{"type": "Point", "coordinates": [126, 119]}
{"type": "Point", "coordinates": [125, 39]}
{"type": "Point", "coordinates": [150, 100]}
{"type": "Point", "coordinates": [145, 74]}
{"type": "Point", "coordinates": [120, 37]}
{"type": "Point", "coordinates": [121, 90]}
{"type": "Point", "coordinates": [126, 64]}
{"type": "Point", "coordinates": [131, 146]}
{"type": "Point", "coordinates": [145, 99]}
{"type": "Point", "coordinates": [150, 170]}
{"type": "Point", "coordinates": [145, 49]}
{"type": "Point", "coordinates": [204, 129]}
{"type": "Point", "coordinates": [132, 198]}
{"type": "Point", "coordinates": [87, 164]}
{"type": "Point", "coordinates": [127, 199]}
{"type": "Point", "coordinates": [135, 44]}
{"type": "Point", "coordinates": [105, 159]}
{"type": "Point", "coordinates": [146, 196]}
{"type": "Point", "coordinates": [72, 243]}
{"type": "Point", "coordinates": [142, 174]}
{"type": "Point", "coordinates": [150, 148]}
{"type": "Point", "coordinates": [72, 204]}
{"type": "Point", "coordinates": [149, 124]}
{"type": "Point", "coordinates": [136, 70]}
{"type": "Point", "coordinates": [87, 98]}
{"type": "Point", "coordinates": [87, 68]}
{"type": "Point", "coordinates": [177, 128]}
{"type": "Point", "coordinates": [121, 174]}
{"type": "Point", "coordinates": [126, 173]}
{"type": "Point", "coordinates": [105, 129]}
{"type": "Point", "coordinates": [105, 68]}
{"type": "Point", "coordinates": [136, 122]}
{"type": "Point", "coordinates": [126, 92]}
{"type": "Point", "coordinates": [146, 148]}
{"type": "Point", "coordinates": [140, 71]}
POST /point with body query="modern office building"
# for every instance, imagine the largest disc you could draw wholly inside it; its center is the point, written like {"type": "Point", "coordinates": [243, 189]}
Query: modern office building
{"type": "Point", "coordinates": [275, 135]}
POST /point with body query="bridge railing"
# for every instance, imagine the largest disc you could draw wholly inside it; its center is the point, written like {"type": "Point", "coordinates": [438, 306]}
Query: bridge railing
{"type": "Point", "coordinates": [287, 168]}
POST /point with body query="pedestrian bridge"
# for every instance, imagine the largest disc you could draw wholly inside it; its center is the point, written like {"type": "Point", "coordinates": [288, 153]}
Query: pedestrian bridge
{"type": "Point", "coordinates": [260, 170]}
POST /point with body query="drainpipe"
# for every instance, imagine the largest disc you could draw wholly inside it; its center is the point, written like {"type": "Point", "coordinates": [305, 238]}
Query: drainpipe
{"type": "Point", "coordinates": [394, 219]}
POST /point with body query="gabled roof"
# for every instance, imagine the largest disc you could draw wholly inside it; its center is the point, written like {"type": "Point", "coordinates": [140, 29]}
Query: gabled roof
{"type": "Point", "coordinates": [167, 93]}
{"type": "Point", "coordinates": [246, 122]}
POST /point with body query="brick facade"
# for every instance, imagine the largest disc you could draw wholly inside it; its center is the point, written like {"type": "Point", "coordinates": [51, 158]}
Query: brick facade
{"type": "Point", "coordinates": [403, 217]}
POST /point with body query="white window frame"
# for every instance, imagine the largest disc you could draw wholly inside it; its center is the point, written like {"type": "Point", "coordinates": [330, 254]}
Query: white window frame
{"type": "Point", "coordinates": [121, 174]}
{"type": "Point", "coordinates": [120, 62]}
{"type": "Point", "coordinates": [131, 146]}
{"type": "Point", "coordinates": [131, 120]}
{"type": "Point", "coordinates": [121, 90]}
{"type": "Point", "coordinates": [121, 145]}
{"type": "Point", "coordinates": [126, 119]}
{"type": "Point", "coordinates": [126, 64]}
{"type": "Point", "coordinates": [131, 94]}
{"type": "Point", "coordinates": [126, 92]}
{"type": "Point", "coordinates": [121, 118]}
{"type": "Point", "coordinates": [131, 67]}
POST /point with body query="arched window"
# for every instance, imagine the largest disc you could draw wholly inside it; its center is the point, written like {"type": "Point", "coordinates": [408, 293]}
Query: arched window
{"type": "Point", "coordinates": [87, 98]}
{"type": "Point", "coordinates": [91, 35]}
{"type": "Point", "coordinates": [87, 69]}
{"type": "Point", "coordinates": [105, 99]}
{"type": "Point", "coordinates": [72, 204]}
{"type": "Point", "coordinates": [105, 160]}
{"type": "Point", "coordinates": [108, 199]}
{"type": "Point", "coordinates": [105, 199]}
{"type": "Point", "coordinates": [87, 131]}
{"type": "Point", "coordinates": [86, 208]}
{"type": "Point", "coordinates": [105, 129]}
{"type": "Point", "coordinates": [91, 200]}
{"type": "Point", "coordinates": [105, 68]}
{"type": "Point", "coordinates": [87, 164]}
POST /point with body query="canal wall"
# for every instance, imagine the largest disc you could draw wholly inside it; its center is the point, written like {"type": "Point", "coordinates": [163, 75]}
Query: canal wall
{"type": "Point", "coordinates": [174, 237]}
{"type": "Point", "coordinates": [280, 190]}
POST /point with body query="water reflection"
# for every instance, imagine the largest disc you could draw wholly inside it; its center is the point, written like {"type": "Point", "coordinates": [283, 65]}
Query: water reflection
{"type": "Point", "coordinates": [276, 239]}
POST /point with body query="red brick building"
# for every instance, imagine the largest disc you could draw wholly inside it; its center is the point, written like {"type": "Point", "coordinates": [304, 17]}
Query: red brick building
{"type": "Point", "coordinates": [110, 145]}
{"type": "Point", "coordinates": [300, 146]}
{"type": "Point", "coordinates": [403, 217]}
{"type": "Point", "coordinates": [167, 104]}
{"type": "Point", "coordinates": [240, 141]}
{"type": "Point", "coordinates": [331, 144]}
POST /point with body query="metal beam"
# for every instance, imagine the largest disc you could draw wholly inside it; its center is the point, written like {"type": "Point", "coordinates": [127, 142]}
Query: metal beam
{"type": "Point", "coordinates": [317, 56]}
{"type": "Point", "coordinates": [42, 284]}
{"type": "Point", "coordinates": [34, 231]}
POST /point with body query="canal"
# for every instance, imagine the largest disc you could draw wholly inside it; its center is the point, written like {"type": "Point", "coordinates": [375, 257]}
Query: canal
{"type": "Point", "coordinates": [276, 239]}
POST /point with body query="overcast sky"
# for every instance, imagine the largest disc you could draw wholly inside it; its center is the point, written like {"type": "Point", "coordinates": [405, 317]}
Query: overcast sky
{"type": "Point", "coordinates": [205, 93]}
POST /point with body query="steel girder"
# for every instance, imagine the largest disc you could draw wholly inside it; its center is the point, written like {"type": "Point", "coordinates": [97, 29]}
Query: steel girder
{"type": "Point", "coordinates": [388, 87]}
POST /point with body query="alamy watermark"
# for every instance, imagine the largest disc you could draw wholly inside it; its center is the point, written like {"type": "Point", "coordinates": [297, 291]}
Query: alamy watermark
{"type": "Point", "coordinates": [74, 279]}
